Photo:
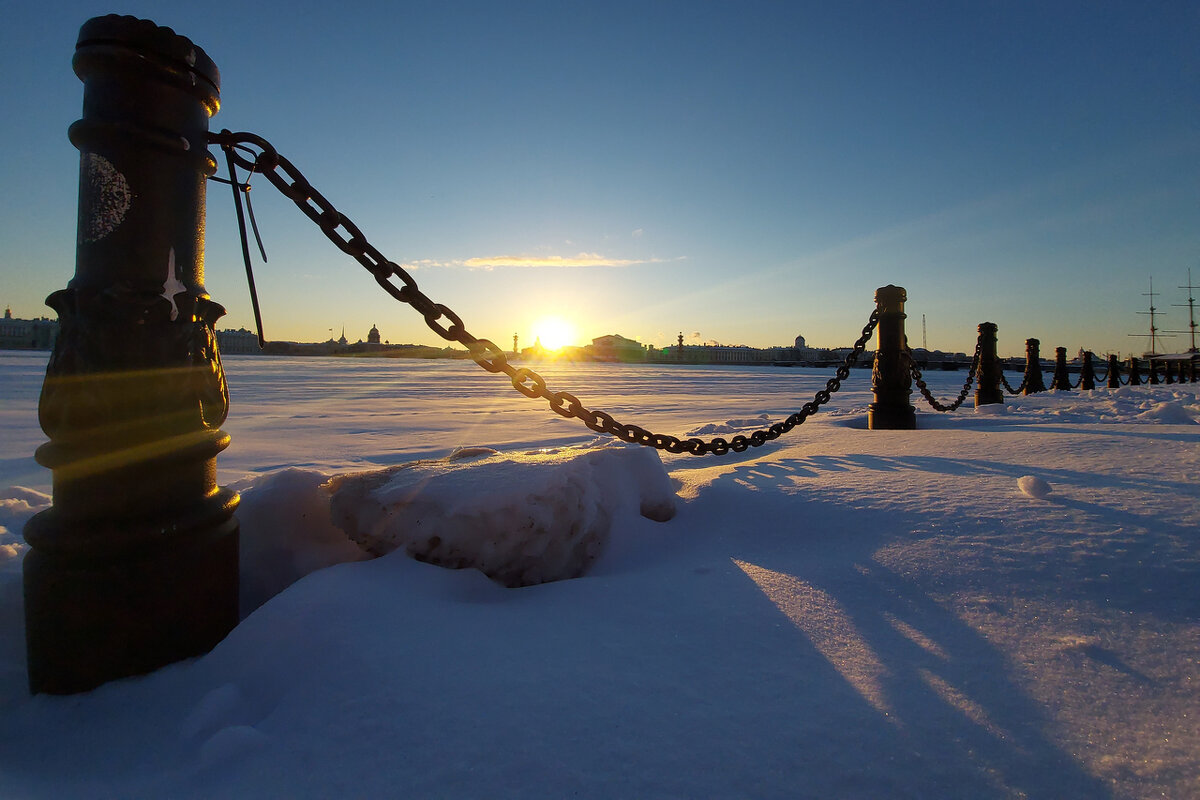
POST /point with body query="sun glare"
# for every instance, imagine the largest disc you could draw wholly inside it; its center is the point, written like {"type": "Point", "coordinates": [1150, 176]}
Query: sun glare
{"type": "Point", "coordinates": [554, 333]}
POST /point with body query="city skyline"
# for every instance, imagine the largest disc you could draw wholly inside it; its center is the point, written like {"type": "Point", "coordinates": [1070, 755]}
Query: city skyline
{"type": "Point", "coordinates": [745, 173]}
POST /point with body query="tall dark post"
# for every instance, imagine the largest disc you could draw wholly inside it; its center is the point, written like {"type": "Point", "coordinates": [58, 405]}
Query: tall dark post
{"type": "Point", "coordinates": [1061, 382]}
{"type": "Point", "coordinates": [136, 563]}
{"type": "Point", "coordinates": [1087, 372]}
{"type": "Point", "coordinates": [1193, 369]}
{"type": "Point", "coordinates": [1135, 372]}
{"type": "Point", "coordinates": [1114, 372]}
{"type": "Point", "coordinates": [987, 390]}
{"type": "Point", "coordinates": [891, 381]}
{"type": "Point", "coordinates": [1033, 367]}
{"type": "Point", "coordinates": [1168, 372]}
{"type": "Point", "coordinates": [1153, 369]}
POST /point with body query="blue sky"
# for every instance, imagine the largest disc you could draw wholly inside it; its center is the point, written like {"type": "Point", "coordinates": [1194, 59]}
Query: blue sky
{"type": "Point", "coordinates": [739, 172]}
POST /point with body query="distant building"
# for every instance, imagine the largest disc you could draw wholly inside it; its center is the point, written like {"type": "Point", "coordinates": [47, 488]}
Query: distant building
{"type": "Point", "coordinates": [239, 342]}
{"type": "Point", "coordinates": [27, 334]}
{"type": "Point", "coordinates": [373, 335]}
{"type": "Point", "coordinates": [615, 347]}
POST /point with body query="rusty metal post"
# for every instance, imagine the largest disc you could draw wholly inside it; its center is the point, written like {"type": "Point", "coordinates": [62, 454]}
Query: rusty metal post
{"type": "Point", "coordinates": [1114, 372]}
{"type": "Point", "coordinates": [987, 389]}
{"type": "Point", "coordinates": [1087, 372]}
{"type": "Point", "coordinates": [1061, 382]}
{"type": "Point", "coordinates": [136, 563]}
{"type": "Point", "coordinates": [1033, 367]}
{"type": "Point", "coordinates": [891, 377]}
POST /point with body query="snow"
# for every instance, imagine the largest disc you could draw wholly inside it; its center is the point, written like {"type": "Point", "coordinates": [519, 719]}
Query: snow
{"type": "Point", "coordinates": [839, 613]}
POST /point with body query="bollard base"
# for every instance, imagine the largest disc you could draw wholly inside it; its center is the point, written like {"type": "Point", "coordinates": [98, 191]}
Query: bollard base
{"type": "Point", "coordinates": [989, 398]}
{"type": "Point", "coordinates": [95, 619]}
{"type": "Point", "coordinates": [882, 417]}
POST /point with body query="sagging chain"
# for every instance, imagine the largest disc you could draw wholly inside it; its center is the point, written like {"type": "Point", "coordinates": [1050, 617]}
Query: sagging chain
{"type": "Point", "coordinates": [1009, 387]}
{"type": "Point", "coordinates": [929, 398]}
{"type": "Point", "coordinates": [256, 154]}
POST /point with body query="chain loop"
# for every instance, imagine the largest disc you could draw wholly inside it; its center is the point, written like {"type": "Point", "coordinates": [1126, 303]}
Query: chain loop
{"type": "Point", "coordinates": [256, 154]}
{"type": "Point", "coordinates": [1009, 387]}
{"type": "Point", "coordinates": [929, 398]}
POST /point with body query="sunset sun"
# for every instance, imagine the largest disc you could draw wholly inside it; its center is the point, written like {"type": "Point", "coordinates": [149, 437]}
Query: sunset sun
{"type": "Point", "coordinates": [554, 333]}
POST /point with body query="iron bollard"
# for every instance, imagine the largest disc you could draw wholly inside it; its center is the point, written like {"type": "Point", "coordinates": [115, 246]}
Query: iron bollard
{"type": "Point", "coordinates": [1135, 372]}
{"type": "Point", "coordinates": [987, 390]}
{"type": "Point", "coordinates": [136, 563]}
{"type": "Point", "coordinates": [1061, 382]}
{"type": "Point", "coordinates": [1087, 372]}
{"type": "Point", "coordinates": [891, 382]}
{"type": "Point", "coordinates": [1033, 367]}
{"type": "Point", "coordinates": [1114, 372]}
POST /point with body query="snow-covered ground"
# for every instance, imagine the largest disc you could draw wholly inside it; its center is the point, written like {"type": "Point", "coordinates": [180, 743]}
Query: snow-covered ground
{"type": "Point", "coordinates": [1003, 603]}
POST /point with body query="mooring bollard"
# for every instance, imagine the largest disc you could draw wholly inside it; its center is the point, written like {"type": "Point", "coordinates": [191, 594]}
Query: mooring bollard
{"type": "Point", "coordinates": [1033, 367]}
{"type": "Point", "coordinates": [1135, 372]}
{"type": "Point", "coordinates": [1114, 372]}
{"type": "Point", "coordinates": [891, 377]}
{"type": "Point", "coordinates": [987, 389]}
{"type": "Point", "coordinates": [1061, 382]}
{"type": "Point", "coordinates": [1087, 372]}
{"type": "Point", "coordinates": [136, 563]}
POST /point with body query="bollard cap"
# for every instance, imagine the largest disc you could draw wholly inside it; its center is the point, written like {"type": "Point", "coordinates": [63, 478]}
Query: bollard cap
{"type": "Point", "coordinates": [148, 39]}
{"type": "Point", "coordinates": [890, 298]}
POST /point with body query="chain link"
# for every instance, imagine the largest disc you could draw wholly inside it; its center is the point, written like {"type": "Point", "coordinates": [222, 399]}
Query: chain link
{"type": "Point", "coordinates": [929, 398]}
{"type": "Point", "coordinates": [256, 154]}
{"type": "Point", "coordinates": [1009, 387]}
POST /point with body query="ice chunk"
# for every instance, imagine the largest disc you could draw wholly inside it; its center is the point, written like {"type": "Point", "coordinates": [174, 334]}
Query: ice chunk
{"type": "Point", "coordinates": [1033, 486]}
{"type": "Point", "coordinates": [521, 519]}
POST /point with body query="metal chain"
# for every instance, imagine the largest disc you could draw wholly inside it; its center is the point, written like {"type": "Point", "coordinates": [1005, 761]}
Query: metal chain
{"type": "Point", "coordinates": [1009, 387]}
{"type": "Point", "coordinates": [256, 154]}
{"type": "Point", "coordinates": [929, 398]}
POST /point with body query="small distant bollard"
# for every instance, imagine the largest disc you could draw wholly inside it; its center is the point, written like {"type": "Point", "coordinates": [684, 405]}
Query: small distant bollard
{"type": "Point", "coordinates": [1033, 367]}
{"type": "Point", "coordinates": [987, 389]}
{"type": "Point", "coordinates": [1114, 372]}
{"type": "Point", "coordinates": [1061, 382]}
{"type": "Point", "coordinates": [1087, 372]}
{"type": "Point", "coordinates": [1135, 372]}
{"type": "Point", "coordinates": [135, 565]}
{"type": "Point", "coordinates": [891, 377]}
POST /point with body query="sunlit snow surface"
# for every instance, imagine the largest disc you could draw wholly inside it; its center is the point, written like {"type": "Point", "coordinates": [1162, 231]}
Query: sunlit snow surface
{"type": "Point", "coordinates": [840, 613]}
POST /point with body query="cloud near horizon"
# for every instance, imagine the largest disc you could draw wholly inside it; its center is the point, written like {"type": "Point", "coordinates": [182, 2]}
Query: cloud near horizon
{"type": "Point", "coordinates": [495, 262]}
{"type": "Point", "coordinates": [580, 260]}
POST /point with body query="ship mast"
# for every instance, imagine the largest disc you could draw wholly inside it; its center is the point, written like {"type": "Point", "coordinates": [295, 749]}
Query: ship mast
{"type": "Point", "coordinates": [1153, 335]}
{"type": "Point", "coordinates": [1191, 307]}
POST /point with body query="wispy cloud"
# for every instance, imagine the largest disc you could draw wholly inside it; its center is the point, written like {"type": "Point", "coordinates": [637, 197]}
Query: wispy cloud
{"type": "Point", "coordinates": [525, 261]}
{"type": "Point", "coordinates": [579, 260]}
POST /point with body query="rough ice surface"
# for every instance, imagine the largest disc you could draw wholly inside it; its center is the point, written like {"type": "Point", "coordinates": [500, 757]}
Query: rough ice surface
{"type": "Point", "coordinates": [520, 519]}
{"type": "Point", "coordinates": [840, 613]}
